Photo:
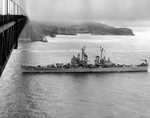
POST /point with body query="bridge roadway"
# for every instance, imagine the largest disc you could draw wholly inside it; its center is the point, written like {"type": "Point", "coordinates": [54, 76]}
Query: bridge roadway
{"type": "Point", "coordinates": [10, 29]}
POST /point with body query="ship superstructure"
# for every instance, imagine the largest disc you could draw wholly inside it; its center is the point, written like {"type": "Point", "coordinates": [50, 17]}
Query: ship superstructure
{"type": "Point", "coordinates": [80, 64]}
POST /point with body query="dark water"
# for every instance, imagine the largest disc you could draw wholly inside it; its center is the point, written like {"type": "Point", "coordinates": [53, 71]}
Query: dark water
{"type": "Point", "coordinates": [120, 95]}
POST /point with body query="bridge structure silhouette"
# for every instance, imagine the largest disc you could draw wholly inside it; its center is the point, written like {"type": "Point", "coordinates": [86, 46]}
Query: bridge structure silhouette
{"type": "Point", "coordinates": [12, 20]}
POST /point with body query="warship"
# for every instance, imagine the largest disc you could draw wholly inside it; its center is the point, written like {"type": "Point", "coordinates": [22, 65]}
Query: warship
{"type": "Point", "coordinates": [80, 64]}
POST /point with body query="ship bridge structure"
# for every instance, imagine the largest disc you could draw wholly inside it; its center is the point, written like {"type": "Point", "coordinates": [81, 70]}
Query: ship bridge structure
{"type": "Point", "coordinates": [12, 20]}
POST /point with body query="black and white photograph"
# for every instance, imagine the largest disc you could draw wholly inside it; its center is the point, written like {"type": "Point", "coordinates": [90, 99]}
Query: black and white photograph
{"type": "Point", "coordinates": [74, 59]}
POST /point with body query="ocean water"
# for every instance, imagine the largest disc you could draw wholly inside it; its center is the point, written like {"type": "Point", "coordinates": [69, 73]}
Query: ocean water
{"type": "Point", "coordinates": [117, 95]}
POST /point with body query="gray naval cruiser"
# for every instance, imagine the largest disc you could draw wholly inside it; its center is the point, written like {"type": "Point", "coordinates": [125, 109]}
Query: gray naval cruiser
{"type": "Point", "coordinates": [79, 64]}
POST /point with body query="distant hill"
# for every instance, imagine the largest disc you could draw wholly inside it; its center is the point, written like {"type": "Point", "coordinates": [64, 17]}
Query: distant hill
{"type": "Point", "coordinates": [36, 31]}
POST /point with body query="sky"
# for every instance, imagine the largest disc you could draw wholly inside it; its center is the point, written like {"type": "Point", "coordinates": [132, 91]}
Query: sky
{"type": "Point", "coordinates": [81, 10]}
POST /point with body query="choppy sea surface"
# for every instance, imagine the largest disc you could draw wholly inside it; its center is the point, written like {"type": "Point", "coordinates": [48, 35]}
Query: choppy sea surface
{"type": "Point", "coordinates": [117, 95]}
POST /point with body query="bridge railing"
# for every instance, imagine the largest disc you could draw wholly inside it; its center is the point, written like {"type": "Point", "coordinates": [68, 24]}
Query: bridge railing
{"type": "Point", "coordinates": [12, 21]}
{"type": "Point", "coordinates": [10, 29]}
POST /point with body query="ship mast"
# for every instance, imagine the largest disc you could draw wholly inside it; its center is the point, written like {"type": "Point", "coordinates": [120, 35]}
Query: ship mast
{"type": "Point", "coordinates": [83, 53]}
{"type": "Point", "coordinates": [101, 52]}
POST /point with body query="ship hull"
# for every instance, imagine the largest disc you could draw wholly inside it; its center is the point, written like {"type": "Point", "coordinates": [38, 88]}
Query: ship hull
{"type": "Point", "coordinates": [88, 70]}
